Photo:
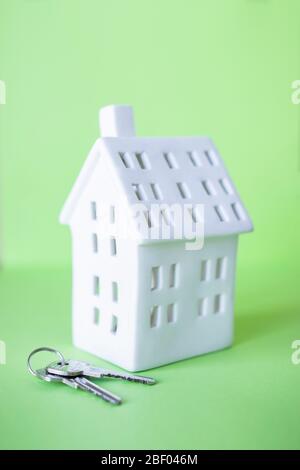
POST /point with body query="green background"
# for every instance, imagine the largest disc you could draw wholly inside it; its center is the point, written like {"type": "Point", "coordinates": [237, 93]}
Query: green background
{"type": "Point", "coordinates": [222, 68]}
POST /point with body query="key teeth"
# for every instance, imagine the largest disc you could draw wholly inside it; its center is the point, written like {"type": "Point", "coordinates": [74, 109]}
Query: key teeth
{"type": "Point", "coordinates": [130, 378]}
{"type": "Point", "coordinates": [119, 402]}
{"type": "Point", "coordinates": [152, 382]}
{"type": "Point", "coordinates": [146, 380]}
{"type": "Point", "coordinates": [113, 401]}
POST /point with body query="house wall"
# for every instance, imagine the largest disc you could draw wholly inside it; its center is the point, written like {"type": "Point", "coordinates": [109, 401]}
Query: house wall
{"type": "Point", "coordinates": [104, 282]}
{"type": "Point", "coordinates": [202, 296]}
{"type": "Point", "coordinates": [141, 306]}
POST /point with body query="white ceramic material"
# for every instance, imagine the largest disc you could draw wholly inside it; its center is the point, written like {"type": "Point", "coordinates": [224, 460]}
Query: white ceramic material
{"type": "Point", "coordinates": [142, 302]}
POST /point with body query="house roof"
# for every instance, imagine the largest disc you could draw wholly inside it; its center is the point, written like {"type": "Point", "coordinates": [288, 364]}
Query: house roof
{"type": "Point", "coordinates": [182, 171]}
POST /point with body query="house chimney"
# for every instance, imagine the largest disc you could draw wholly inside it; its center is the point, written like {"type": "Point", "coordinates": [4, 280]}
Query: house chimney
{"type": "Point", "coordinates": [116, 121]}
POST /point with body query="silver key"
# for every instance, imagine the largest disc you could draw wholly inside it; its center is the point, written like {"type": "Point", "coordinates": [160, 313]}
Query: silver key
{"type": "Point", "coordinates": [44, 375]}
{"type": "Point", "coordinates": [101, 392]}
{"type": "Point", "coordinates": [73, 368]}
{"type": "Point", "coordinates": [81, 383]}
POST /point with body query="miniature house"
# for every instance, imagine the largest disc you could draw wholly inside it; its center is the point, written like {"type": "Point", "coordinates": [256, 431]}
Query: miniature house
{"type": "Point", "coordinates": [142, 301]}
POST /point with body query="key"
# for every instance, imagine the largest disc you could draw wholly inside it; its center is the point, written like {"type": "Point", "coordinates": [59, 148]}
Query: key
{"type": "Point", "coordinates": [44, 375]}
{"type": "Point", "coordinates": [81, 383]}
{"type": "Point", "coordinates": [73, 368]}
{"type": "Point", "coordinates": [89, 386]}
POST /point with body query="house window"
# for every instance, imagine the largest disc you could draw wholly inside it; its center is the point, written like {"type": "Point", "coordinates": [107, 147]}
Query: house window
{"type": "Point", "coordinates": [183, 190]}
{"type": "Point", "coordinates": [154, 316]}
{"type": "Point", "coordinates": [170, 160]}
{"type": "Point", "coordinates": [96, 285]}
{"type": "Point", "coordinates": [221, 268]}
{"type": "Point", "coordinates": [219, 304]}
{"type": "Point", "coordinates": [171, 313]}
{"type": "Point", "coordinates": [139, 191]}
{"type": "Point", "coordinates": [202, 307]}
{"type": "Point", "coordinates": [208, 187]}
{"type": "Point", "coordinates": [165, 216]}
{"type": "Point", "coordinates": [115, 291]}
{"type": "Point", "coordinates": [112, 214]}
{"type": "Point", "coordinates": [238, 211]}
{"type": "Point", "coordinates": [114, 325]}
{"type": "Point", "coordinates": [156, 191]}
{"type": "Point", "coordinates": [96, 316]}
{"type": "Point", "coordinates": [148, 219]}
{"type": "Point", "coordinates": [155, 277]}
{"type": "Point", "coordinates": [194, 158]}
{"type": "Point", "coordinates": [225, 185]}
{"type": "Point", "coordinates": [113, 246]}
{"type": "Point", "coordinates": [211, 157]}
{"type": "Point", "coordinates": [222, 215]}
{"type": "Point", "coordinates": [95, 242]}
{"type": "Point", "coordinates": [126, 159]}
{"type": "Point", "coordinates": [194, 214]}
{"type": "Point", "coordinates": [173, 278]}
{"type": "Point", "coordinates": [205, 270]}
{"type": "Point", "coordinates": [142, 160]}
{"type": "Point", "coordinates": [94, 210]}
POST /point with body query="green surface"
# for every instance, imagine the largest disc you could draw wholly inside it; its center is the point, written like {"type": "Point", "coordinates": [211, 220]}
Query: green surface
{"type": "Point", "coordinates": [244, 397]}
{"type": "Point", "coordinates": [222, 68]}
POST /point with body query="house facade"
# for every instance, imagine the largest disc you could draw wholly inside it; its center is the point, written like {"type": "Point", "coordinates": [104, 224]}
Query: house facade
{"type": "Point", "coordinates": [142, 297]}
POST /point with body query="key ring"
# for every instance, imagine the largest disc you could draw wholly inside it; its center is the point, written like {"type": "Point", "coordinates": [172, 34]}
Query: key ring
{"type": "Point", "coordinates": [35, 351]}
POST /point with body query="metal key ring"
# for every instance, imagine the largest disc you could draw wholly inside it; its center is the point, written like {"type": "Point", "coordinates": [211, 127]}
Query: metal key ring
{"type": "Point", "coordinates": [35, 351]}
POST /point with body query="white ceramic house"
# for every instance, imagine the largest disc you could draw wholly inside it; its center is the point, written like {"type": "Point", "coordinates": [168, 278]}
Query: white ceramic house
{"type": "Point", "coordinates": [141, 301]}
